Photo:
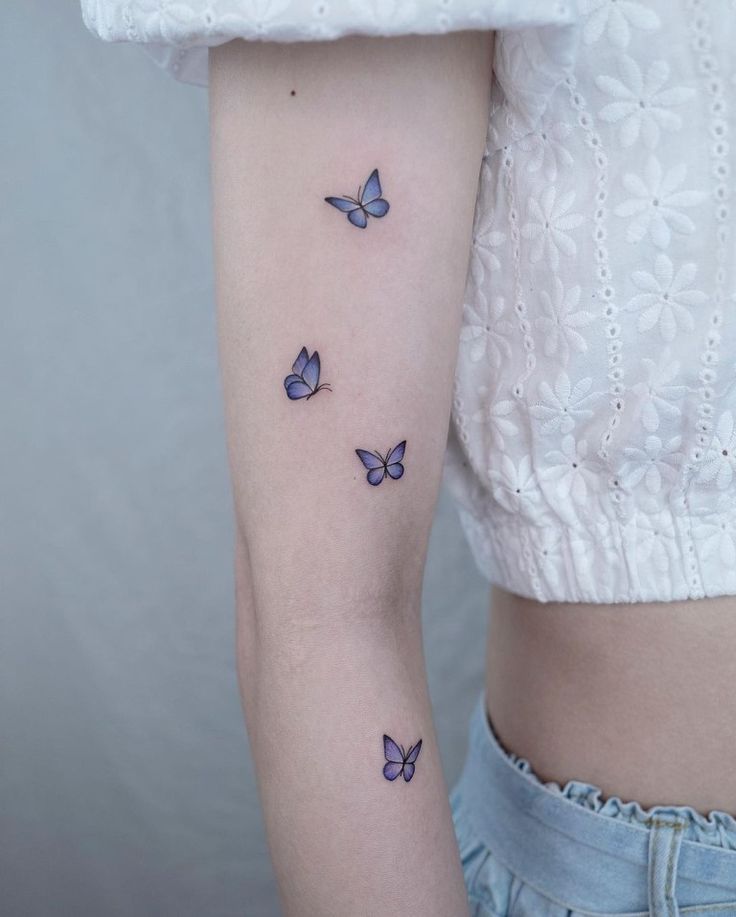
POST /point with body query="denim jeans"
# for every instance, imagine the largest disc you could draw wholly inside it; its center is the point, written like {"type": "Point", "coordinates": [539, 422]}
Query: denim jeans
{"type": "Point", "coordinates": [534, 849]}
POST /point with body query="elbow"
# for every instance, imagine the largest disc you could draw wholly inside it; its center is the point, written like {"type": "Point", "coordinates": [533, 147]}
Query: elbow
{"type": "Point", "coordinates": [289, 596]}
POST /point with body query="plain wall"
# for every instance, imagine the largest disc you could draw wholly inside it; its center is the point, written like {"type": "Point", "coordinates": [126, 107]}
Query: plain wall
{"type": "Point", "coordinates": [126, 787]}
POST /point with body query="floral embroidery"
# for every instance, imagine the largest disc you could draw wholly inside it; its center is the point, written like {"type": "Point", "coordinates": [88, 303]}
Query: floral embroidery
{"type": "Point", "coordinates": [642, 104]}
{"type": "Point", "coordinates": [656, 394]}
{"type": "Point", "coordinates": [653, 538]}
{"type": "Point", "coordinates": [486, 238]}
{"type": "Point", "coordinates": [666, 299]}
{"type": "Point", "coordinates": [656, 204]}
{"type": "Point", "coordinates": [615, 18]}
{"type": "Point", "coordinates": [570, 469]}
{"type": "Point", "coordinates": [559, 323]}
{"type": "Point", "coordinates": [546, 149]}
{"type": "Point", "coordinates": [496, 416]}
{"type": "Point", "coordinates": [717, 534]}
{"type": "Point", "coordinates": [549, 226]}
{"type": "Point", "coordinates": [720, 461]}
{"type": "Point", "coordinates": [657, 460]}
{"type": "Point", "coordinates": [485, 331]}
{"type": "Point", "coordinates": [515, 487]}
{"type": "Point", "coordinates": [562, 407]}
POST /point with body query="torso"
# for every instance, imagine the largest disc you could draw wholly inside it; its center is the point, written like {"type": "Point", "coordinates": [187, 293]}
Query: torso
{"type": "Point", "coordinates": [638, 699]}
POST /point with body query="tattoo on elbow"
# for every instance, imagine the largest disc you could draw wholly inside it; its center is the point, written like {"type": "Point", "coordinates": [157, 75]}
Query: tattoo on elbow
{"type": "Point", "coordinates": [399, 762]}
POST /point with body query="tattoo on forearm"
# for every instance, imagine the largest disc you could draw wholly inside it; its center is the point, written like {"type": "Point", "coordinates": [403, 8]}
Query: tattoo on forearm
{"type": "Point", "coordinates": [398, 761]}
{"type": "Point", "coordinates": [378, 466]}
{"type": "Point", "coordinates": [303, 380]}
{"type": "Point", "coordinates": [367, 202]}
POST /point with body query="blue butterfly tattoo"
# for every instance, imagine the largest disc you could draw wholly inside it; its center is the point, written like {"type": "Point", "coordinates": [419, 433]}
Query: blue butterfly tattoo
{"type": "Point", "coordinates": [398, 761]}
{"type": "Point", "coordinates": [303, 380]}
{"type": "Point", "coordinates": [365, 204]}
{"type": "Point", "coordinates": [378, 466]}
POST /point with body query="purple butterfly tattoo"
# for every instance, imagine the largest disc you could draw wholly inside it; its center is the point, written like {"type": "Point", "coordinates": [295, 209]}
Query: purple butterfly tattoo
{"type": "Point", "coordinates": [378, 466]}
{"type": "Point", "coordinates": [303, 380]}
{"type": "Point", "coordinates": [398, 761]}
{"type": "Point", "coordinates": [366, 203]}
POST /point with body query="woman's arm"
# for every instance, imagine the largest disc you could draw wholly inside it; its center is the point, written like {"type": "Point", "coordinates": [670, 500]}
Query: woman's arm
{"type": "Point", "coordinates": [329, 567]}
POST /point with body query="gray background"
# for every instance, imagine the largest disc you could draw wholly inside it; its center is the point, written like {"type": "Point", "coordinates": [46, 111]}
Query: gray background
{"type": "Point", "coordinates": [125, 780]}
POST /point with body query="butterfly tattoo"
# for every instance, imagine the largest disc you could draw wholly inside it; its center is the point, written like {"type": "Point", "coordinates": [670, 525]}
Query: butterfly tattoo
{"type": "Point", "coordinates": [303, 380]}
{"type": "Point", "coordinates": [398, 761]}
{"type": "Point", "coordinates": [378, 466]}
{"type": "Point", "coordinates": [366, 203]}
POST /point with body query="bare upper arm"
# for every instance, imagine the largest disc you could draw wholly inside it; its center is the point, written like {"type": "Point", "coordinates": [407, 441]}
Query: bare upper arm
{"type": "Point", "coordinates": [291, 125]}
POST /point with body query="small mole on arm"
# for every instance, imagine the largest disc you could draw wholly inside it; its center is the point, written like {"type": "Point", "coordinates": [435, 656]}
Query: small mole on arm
{"type": "Point", "coordinates": [293, 92]}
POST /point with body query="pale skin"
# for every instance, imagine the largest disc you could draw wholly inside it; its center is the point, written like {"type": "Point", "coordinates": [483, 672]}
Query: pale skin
{"type": "Point", "coordinates": [635, 698]}
{"type": "Point", "coordinates": [329, 568]}
{"type": "Point", "coordinates": [638, 699]}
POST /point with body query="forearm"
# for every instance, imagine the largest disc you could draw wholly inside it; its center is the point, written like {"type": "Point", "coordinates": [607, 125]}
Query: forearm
{"type": "Point", "coordinates": [344, 839]}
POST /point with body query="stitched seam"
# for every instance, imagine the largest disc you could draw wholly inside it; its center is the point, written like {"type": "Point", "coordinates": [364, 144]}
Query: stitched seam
{"type": "Point", "coordinates": [650, 874]}
{"type": "Point", "coordinates": [669, 891]}
{"type": "Point", "coordinates": [708, 908]}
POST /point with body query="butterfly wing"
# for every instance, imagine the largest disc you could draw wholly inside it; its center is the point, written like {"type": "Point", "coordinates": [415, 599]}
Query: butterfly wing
{"type": "Point", "coordinates": [392, 751]}
{"type": "Point", "coordinates": [298, 389]}
{"type": "Point", "coordinates": [300, 362]}
{"type": "Point", "coordinates": [393, 461]}
{"type": "Point", "coordinates": [343, 203]}
{"type": "Point", "coordinates": [377, 208]}
{"type": "Point", "coordinates": [376, 475]}
{"type": "Point", "coordinates": [392, 770]}
{"type": "Point", "coordinates": [396, 470]}
{"type": "Point", "coordinates": [370, 459]}
{"type": "Point", "coordinates": [311, 371]}
{"type": "Point", "coordinates": [371, 200]}
{"type": "Point", "coordinates": [375, 465]}
{"type": "Point", "coordinates": [372, 189]}
{"type": "Point", "coordinates": [358, 218]}
{"type": "Point", "coordinates": [397, 453]}
{"type": "Point", "coordinates": [414, 753]}
{"type": "Point", "coordinates": [292, 377]}
{"type": "Point", "coordinates": [408, 772]}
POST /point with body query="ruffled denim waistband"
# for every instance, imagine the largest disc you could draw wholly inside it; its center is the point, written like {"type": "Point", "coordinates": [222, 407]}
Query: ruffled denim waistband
{"type": "Point", "coordinates": [716, 828]}
{"type": "Point", "coordinates": [573, 848]}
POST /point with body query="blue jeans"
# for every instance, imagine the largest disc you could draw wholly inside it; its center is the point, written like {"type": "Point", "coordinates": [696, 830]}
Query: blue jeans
{"type": "Point", "coordinates": [534, 849]}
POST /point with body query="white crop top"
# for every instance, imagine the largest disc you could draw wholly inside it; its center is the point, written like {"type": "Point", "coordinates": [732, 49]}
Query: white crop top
{"type": "Point", "coordinates": [593, 441]}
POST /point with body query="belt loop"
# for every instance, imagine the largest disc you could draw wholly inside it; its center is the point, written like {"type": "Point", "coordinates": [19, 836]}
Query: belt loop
{"type": "Point", "coordinates": [665, 840]}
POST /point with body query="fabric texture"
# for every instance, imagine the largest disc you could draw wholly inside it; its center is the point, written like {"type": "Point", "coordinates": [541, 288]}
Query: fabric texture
{"type": "Point", "coordinates": [593, 439]}
{"type": "Point", "coordinates": [532, 848]}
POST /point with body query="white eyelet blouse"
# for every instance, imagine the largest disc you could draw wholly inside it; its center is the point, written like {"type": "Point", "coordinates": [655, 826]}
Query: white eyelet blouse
{"type": "Point", "coordinates": [592, 447]}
